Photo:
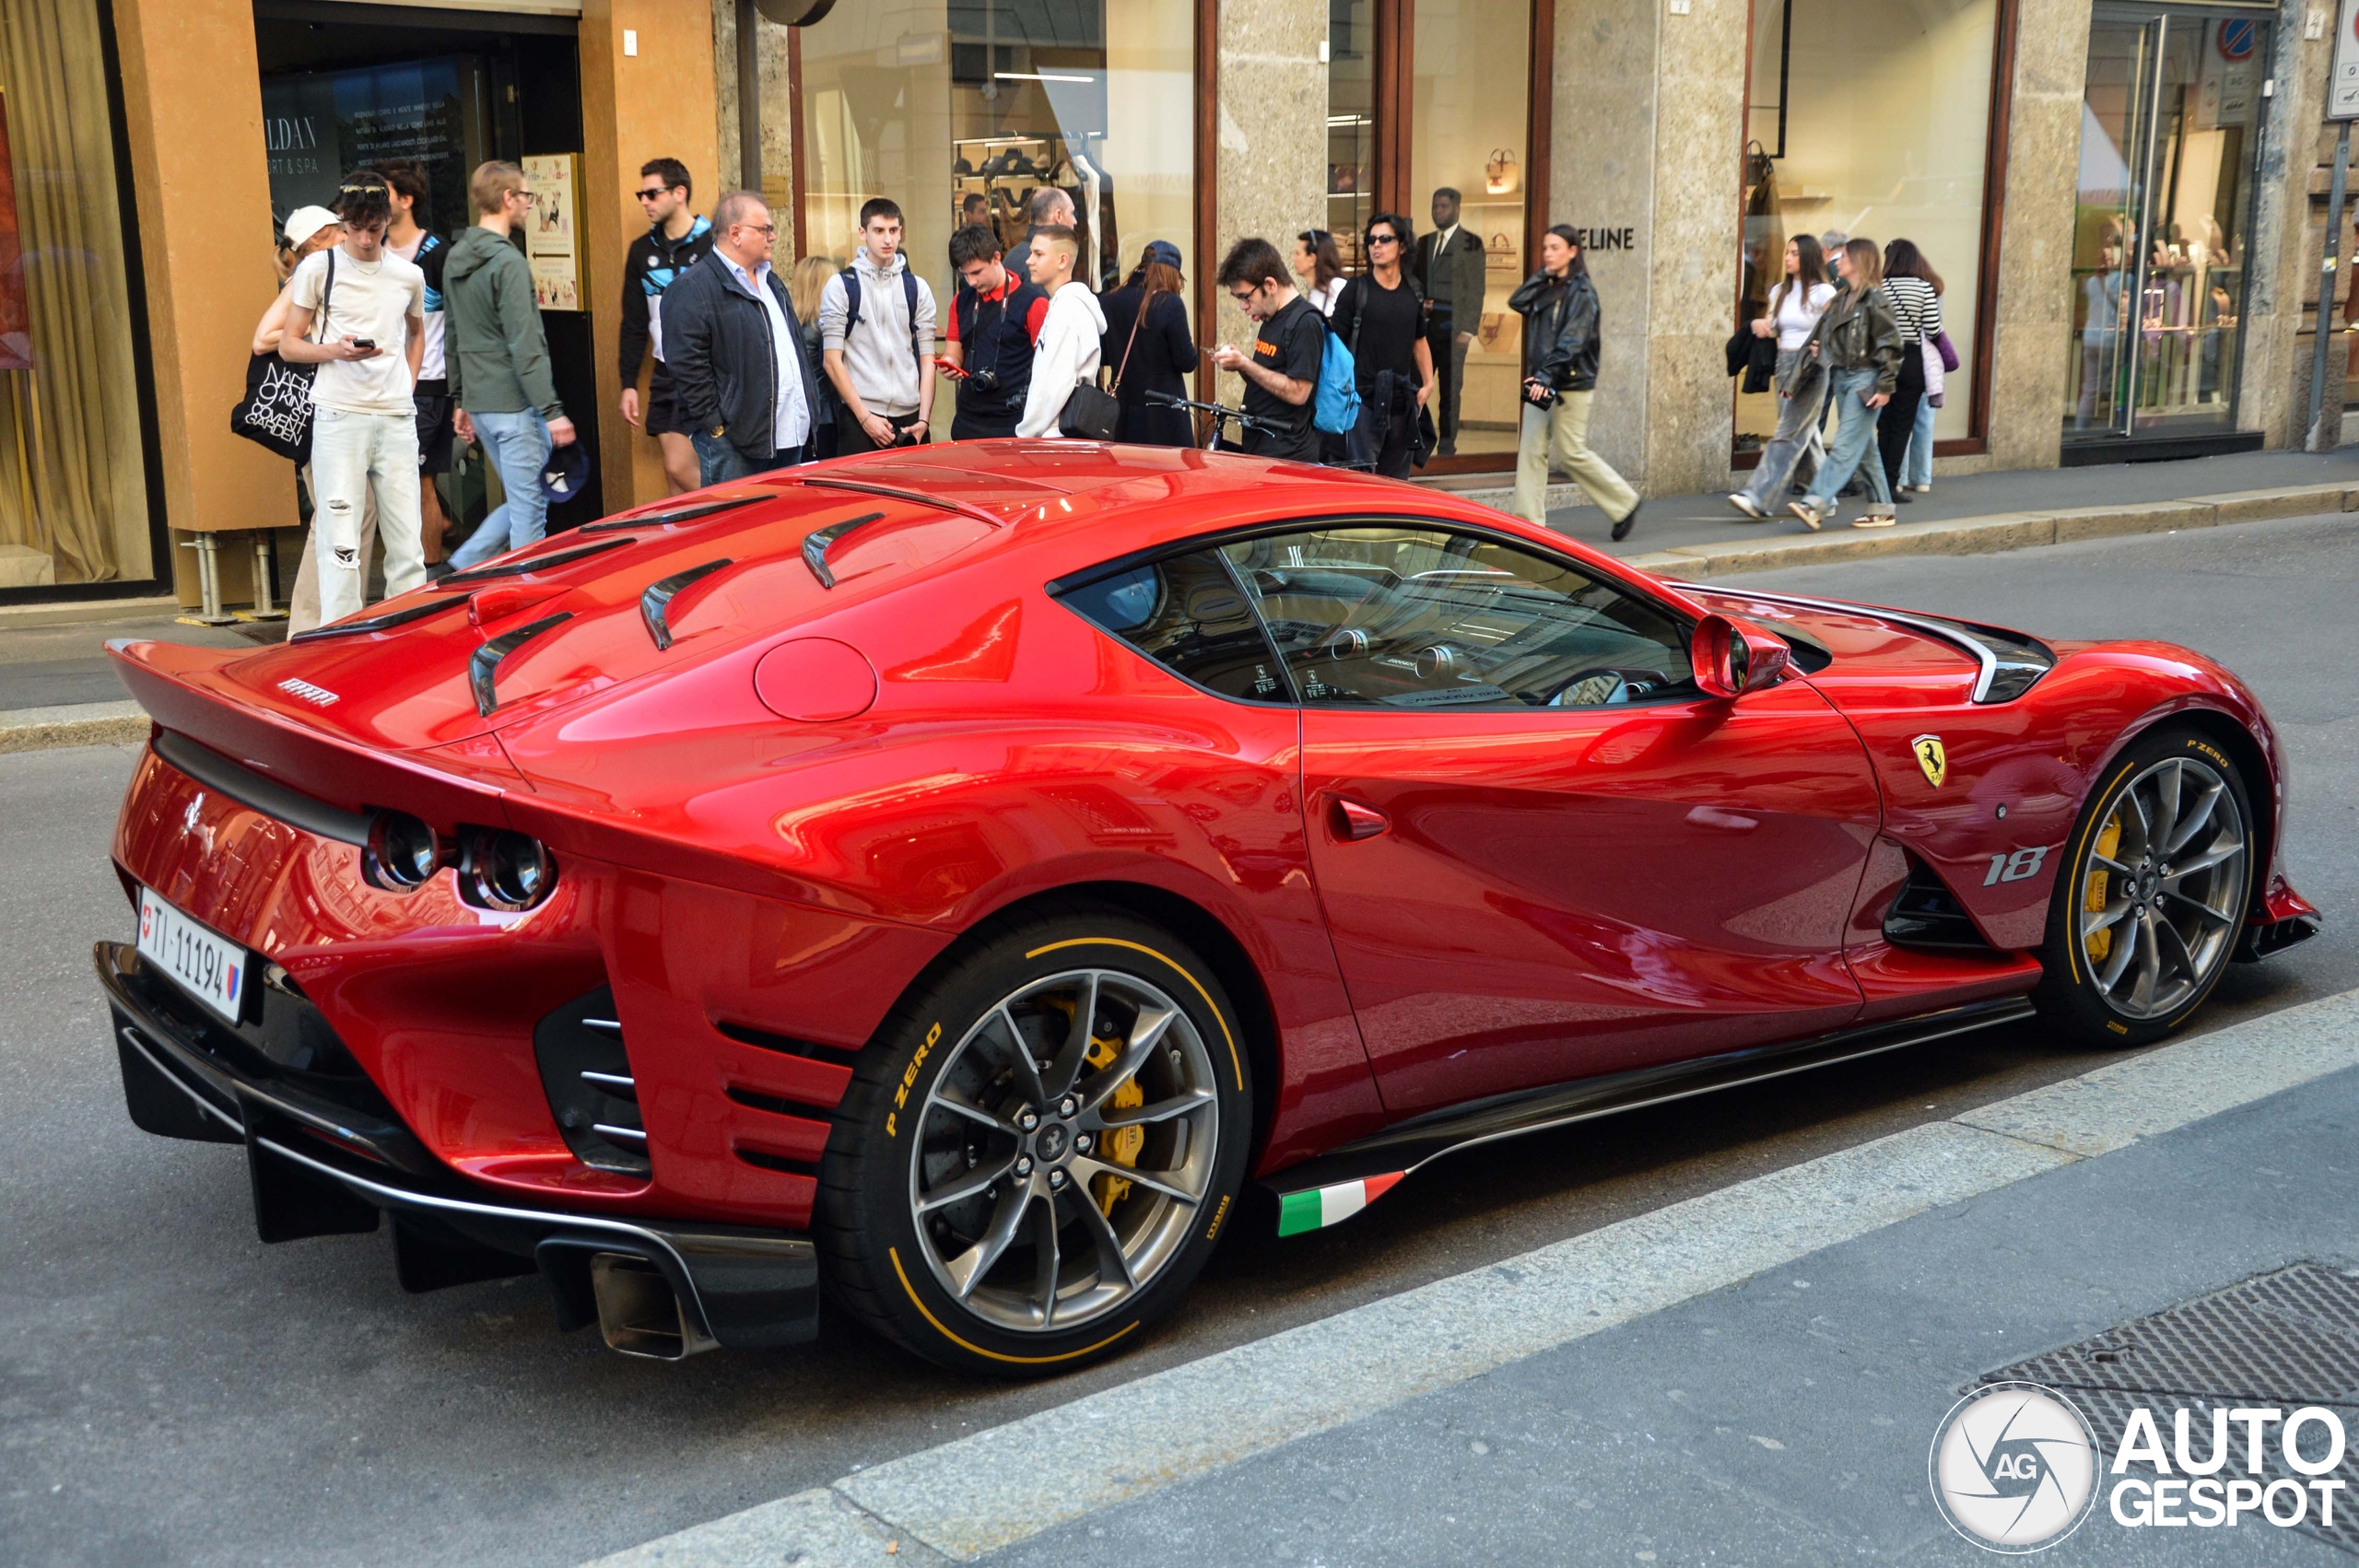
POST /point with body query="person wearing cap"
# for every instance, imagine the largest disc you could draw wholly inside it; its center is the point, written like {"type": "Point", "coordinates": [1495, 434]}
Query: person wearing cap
{"type": "Point", "coordinates": [499, 359]}
{"type": "Point", "coordinates": [995, 320]}
{"type": "Point", "coordinates": [369, 304]}
{"type": "Point", "coordinates": [308, 231]}
{"type": "Point", "coordinates": [1147, 345]}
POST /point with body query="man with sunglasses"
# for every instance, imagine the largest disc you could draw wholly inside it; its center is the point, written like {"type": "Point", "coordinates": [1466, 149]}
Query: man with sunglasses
{"type": "Point", "coordinates": [1282, 373]}
{"type": "Point", "coordinates": [1381, 320]}
{"type": "Point", "coordinates": [675, 240]}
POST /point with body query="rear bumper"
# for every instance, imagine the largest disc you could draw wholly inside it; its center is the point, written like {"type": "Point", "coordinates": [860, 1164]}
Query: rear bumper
{"type": "Point", "coordinates": [320, 1168]}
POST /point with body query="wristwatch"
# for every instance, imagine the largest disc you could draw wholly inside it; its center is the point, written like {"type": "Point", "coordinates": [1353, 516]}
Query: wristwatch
{"type": "Point", "coordinates": [717, 431]}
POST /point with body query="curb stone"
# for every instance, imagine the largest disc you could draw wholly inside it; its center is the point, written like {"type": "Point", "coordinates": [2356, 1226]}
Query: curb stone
{"type": "Point", "coordinates": [73, 724]}
{"type": "Point", "coordinates": [1996, 532]}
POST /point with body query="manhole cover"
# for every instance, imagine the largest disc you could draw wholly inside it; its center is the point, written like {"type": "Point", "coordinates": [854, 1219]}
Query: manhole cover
{"type": "Point", "coordinates": [2287, 1339]}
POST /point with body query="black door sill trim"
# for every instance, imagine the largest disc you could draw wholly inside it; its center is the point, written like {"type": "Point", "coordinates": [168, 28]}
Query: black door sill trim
{"type": "Point", "coordinates": [1405, 1146]}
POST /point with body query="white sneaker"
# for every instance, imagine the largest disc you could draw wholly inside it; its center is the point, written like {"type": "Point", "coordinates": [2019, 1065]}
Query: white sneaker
{"type": "Point", "coordinates": [1744, 503]}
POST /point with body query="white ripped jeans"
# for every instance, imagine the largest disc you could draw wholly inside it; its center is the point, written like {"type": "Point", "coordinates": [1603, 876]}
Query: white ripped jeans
{"type": "Point", "coordinates": [353, 454]}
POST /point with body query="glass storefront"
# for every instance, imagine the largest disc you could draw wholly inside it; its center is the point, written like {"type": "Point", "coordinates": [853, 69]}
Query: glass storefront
{"type": "Point", "coordinates": [1426, 96]}
{"type": "Point", "coordinates": [933, 102]}
{"type": "Point", "coordinates": [74, 496]}
{"type": "Point", "coordinates": [1870, 118]}
{"type": "Point", "coordinates": [2169, 136]}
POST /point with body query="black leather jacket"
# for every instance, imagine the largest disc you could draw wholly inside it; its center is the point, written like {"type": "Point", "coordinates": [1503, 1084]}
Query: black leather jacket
{"type": "Point", "coordinates": [1559, 330]}
{"type": "Point", "coordinates": [725, 369]}
{"type": "Point", "coordinates": [1858, 334]}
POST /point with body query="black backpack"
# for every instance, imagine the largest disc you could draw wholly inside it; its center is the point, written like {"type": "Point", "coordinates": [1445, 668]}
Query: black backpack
{"type": "Point", "coordinates": [908, 293]}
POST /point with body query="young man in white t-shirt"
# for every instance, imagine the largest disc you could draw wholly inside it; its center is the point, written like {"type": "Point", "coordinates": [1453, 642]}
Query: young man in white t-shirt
{"type": "Point", "coordinates": [364, 429]}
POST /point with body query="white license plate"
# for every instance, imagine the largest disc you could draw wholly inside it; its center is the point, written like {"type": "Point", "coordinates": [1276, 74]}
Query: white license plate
{"type": "Point", "coordinates": [212, 969]}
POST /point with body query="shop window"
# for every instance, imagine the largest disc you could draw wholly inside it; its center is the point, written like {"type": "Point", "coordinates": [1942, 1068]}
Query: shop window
{"type": "Point", "coordinates": [74, 503]}
{"type": "Point", "coordinates": [934, 102]}
{"type": "Point", "coordinates": [1871, 119]}
{"type": "Point", "coordinates": [1427, 95]}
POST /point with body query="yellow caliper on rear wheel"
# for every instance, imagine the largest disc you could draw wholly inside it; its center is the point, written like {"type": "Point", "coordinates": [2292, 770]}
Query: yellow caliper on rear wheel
{"type": "Point", "coordinates": [1117, 1145]}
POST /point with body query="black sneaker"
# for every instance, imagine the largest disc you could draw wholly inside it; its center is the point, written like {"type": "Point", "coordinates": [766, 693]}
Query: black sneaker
{"type": "Point", "coordinates": [1622, 529]}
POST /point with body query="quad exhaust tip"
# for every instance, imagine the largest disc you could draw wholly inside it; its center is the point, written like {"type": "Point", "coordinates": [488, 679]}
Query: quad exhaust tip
{"type": "Point", "coordinates": [639, 1313]}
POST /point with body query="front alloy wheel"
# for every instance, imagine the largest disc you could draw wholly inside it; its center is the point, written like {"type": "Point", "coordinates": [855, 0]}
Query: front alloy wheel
{"type": "Point", "coordinates": [2150, 909]}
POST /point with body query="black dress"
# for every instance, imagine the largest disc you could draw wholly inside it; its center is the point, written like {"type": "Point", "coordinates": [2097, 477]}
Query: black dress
{"type": "Point", "coordinates": [1162, 356]}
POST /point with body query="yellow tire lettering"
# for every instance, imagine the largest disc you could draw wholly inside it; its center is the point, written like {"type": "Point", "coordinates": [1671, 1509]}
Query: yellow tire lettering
{"type": "Point", "coordinates": [2118, 1028]}
{"type": "Point", "coordinates": [890, 1130]}
{"type": "Point", "coordinates": [1218, 1216]}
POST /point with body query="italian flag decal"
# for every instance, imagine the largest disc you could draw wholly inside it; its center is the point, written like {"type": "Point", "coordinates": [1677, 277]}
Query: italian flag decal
{"type": "Point", "coordinates": [1324, 1206]}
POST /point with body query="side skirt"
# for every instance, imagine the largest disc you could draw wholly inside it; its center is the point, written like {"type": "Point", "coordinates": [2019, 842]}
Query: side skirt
{"type": "Point", "coordinates": [1338, 1185]}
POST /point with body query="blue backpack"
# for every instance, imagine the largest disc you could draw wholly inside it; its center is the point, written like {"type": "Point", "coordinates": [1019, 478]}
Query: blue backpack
{"type": "Point", "coordinates": [1336, 407]}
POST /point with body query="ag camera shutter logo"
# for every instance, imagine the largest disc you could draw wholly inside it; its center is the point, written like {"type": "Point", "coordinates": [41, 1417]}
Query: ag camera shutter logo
{"type": "Point", "coordinates": [2014, 1467]}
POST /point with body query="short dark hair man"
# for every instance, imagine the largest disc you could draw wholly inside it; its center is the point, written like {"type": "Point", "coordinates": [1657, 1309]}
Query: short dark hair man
{"type": "Point", "coordinates": [876, 335]}
{"type": "Point", "coordinates": [973, 210]}
{"type": "Point", "coordinates": [740, 375]}
{"type": "Point", "coordinates": [1449, 267]}
{"type": "Point", "coordinates": [1282, 373]}
{"type": "Point", "coordinates": [995, 320]}
{"type": "Point", "coordinates": [676, 238]}
{"type": "Point", "coordinates": [407, 238]}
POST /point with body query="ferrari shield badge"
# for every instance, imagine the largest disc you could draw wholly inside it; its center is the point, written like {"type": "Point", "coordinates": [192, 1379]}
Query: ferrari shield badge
{"type": "Point", "coordinates": [1931, 758]}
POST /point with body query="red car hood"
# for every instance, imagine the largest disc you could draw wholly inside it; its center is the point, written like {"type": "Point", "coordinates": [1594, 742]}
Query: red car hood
{"type": "Point", "coordinates": [536, 637]}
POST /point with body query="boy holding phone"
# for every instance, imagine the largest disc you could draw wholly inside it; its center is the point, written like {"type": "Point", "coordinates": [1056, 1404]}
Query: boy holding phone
{"type": "Point", "coordinates": [994, 323]}
{"type": "Point", "coordinates": [358, 312]}
{"type": "Point", "coordinates": [876, 338]}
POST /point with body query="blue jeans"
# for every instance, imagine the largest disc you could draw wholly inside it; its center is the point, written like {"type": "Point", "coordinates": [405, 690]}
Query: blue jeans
{"type": "Point", "coordinates": [1796, 423]}
{"type": "Point", "coordinates": [1856, 438]}
{"type": "Point", "coordinates": [518, 445]}
{"type": "Point", "coordinates": [1917, 468]}
{"type": "Point", "coordinates": [719, 459]}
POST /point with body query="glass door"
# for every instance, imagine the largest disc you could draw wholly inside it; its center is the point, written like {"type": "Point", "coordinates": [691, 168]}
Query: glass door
{"type": "Point", "coordinates": [2169, 131]}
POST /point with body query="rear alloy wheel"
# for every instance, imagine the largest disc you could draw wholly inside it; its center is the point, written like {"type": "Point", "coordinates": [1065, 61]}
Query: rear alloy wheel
{"type": "Point", "coordinates": [2147, 914]}
{"type": "Point", "coordinates": [1011, 1191]}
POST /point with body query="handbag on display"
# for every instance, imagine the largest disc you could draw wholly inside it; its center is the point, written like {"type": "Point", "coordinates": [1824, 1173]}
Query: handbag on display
{"type": "Point", "coordinates": [1501, 173]}
{"type": "Point", "coordinates": [276, 410]}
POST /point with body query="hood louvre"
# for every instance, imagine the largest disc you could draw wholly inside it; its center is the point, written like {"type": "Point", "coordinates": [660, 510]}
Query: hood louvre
{"type": "Point", "coordinates": [819, 541]}
{"type": "Point", "coordinates": [474, 575]}
{"type": "Point", "coordinates": [485, 662]}
{"type": "Point", "coordinates": [655, 604]}
{"type": "Point", "coordinates": [384, 622]}
{"type": "Point", "coordinates": [670, 519]}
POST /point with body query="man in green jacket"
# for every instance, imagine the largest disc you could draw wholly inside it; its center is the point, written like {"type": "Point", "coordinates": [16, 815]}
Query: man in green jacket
{"type": "Point", "coordinates": [499, 361]}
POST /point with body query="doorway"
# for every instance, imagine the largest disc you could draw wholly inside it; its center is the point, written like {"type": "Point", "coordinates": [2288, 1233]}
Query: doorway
{"type": "Point", "coordinates": [2170, 146]}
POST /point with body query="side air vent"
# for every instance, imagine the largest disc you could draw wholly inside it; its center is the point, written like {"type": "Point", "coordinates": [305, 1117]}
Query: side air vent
{"type": "Point", "coordinates": [747, 1034]}
{"type": "Point", "coordinates": [1925, 913]}
{"type": "Point", "coordinates": [586, 1073]}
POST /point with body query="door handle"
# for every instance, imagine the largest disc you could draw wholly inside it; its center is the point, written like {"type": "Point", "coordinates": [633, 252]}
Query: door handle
{"type": "Point", "coordinates": [1353, 822]}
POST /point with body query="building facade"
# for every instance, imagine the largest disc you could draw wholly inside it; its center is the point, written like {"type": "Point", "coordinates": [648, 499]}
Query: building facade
{"type": "Point", "coordinates": [2123, 198]}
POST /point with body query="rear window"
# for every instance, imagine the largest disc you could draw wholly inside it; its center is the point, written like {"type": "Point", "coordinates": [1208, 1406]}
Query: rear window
{"type": "Point", "coordinates": [1189, 615]}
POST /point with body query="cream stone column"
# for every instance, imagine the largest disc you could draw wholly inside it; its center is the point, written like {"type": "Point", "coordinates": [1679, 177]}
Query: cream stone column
{"type": "Point", "coordinates": [1602, 178]}
{"type": "Point", "coordinates": [2030, 347]}
{"type": "Point", "coordinates": [1272, 144]}
{"type": "Point", "coordinates": [2288, 243]}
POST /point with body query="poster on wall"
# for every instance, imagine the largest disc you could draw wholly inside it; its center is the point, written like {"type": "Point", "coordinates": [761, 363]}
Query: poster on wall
{"type": "Point", "coordinates": [552, 230]}
{"type": "Point", "coordinates": [16, 314]}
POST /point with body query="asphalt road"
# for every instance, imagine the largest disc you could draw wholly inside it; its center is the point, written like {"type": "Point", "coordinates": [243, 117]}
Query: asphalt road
{"type": "Point", "coordinates": [171, 1391]}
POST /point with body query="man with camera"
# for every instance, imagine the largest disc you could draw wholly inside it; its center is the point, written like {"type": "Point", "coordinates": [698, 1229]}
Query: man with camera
{"type": "Point", "coordinates": [994, 323]}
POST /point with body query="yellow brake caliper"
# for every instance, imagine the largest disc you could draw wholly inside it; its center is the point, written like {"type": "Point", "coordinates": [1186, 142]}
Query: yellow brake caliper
{"type": "Point", "coordinates": [1117, 1145]}
{"type": "Point", "coordinates": [2099, 944]}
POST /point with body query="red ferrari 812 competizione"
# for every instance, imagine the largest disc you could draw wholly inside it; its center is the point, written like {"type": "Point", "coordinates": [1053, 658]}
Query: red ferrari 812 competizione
{"type": "Point", "coordinates": [948, 877]}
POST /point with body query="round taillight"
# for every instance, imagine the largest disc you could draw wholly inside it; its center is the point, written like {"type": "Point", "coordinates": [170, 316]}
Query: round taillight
{"type": "Point", "coordinates": [401, 854]}
{"type": "Point", "coordinates": [508, 871]}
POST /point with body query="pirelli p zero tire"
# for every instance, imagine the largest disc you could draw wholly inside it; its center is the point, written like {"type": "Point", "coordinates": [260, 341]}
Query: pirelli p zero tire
{"type": "Point", "coordinates": [2151, 899]}
{"type": "Point", "coordinates": [1040, 1148]}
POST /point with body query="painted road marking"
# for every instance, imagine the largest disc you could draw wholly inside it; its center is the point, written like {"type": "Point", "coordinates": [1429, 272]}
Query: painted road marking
{"type": "Point", "coordinates": [965, 1498]}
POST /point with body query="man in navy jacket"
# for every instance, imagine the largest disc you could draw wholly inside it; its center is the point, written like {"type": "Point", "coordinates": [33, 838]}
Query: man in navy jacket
{"type": "Point", "coordinates": [741, 375]}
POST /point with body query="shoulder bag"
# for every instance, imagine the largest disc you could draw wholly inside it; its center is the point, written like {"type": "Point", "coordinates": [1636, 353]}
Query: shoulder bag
{"type": "Point", "coordinates": [1092, 413]}
{"type": "Point", "coordinates": [276, 409]}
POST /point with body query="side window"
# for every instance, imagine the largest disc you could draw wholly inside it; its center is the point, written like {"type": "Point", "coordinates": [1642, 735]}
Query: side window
{"type": "Point", "coordinates": [1424, 617]}
{"type": "Point", "coordinates": [1188, 615]}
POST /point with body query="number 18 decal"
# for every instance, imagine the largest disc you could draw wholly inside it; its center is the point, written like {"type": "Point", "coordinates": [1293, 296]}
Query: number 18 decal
{"type": "Point", "coordinates": [2017, 866]}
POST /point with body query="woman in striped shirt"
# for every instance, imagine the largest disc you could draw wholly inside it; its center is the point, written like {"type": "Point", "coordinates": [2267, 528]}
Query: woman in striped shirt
{"type": "Point", "coordinates": [1915, 290]}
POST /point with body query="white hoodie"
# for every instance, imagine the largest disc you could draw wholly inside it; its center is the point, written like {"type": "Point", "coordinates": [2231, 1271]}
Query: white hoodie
{"type": "Point", "coordinates": [1065, 355]}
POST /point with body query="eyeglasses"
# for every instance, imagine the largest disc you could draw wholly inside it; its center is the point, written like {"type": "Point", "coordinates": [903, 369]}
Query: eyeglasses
{"type": "Point", "coordinates": [1384, 238]}
{"type": "Point", "coordinates": [649, 195]}
{"type": "Point", "coordinates": [1243, 297]}
{"type": "Point", "coordinates": [768, 228]}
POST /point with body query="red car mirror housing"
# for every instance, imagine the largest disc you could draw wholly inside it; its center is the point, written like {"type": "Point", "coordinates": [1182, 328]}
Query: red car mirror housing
{"type": "Point", "coordinates": [1733, 656]}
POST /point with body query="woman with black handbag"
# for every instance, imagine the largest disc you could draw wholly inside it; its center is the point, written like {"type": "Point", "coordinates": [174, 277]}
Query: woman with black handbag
{"type": "Point", "coordinates": [1147, 343]}
{"type": "Point", "coordinates": [1558, 305]}
{"type": "Point", "coordinates": [1381, 320]}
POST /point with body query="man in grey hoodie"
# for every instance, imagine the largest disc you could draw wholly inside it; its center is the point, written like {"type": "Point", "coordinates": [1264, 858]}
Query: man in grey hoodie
{"type": "Point", "coordinates": [876, 334]}
{"type": "Point", "coordinates": [499, 361]}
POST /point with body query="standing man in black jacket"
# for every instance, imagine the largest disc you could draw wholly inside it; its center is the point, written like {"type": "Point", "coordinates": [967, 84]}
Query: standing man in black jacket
{"type": "Point", "coordinates": [740, 377]}
{"type": "Point", "coordinates": [675, 240]}
{"type": "Point", "coordinates": [1449, 269]}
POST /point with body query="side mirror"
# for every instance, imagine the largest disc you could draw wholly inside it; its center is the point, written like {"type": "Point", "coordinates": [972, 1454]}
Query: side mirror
{"type": "Point", "coordinates": [1735, 657]}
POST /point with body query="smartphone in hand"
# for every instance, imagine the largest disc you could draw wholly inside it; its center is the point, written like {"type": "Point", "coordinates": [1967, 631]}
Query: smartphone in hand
{"type": "Point", "coordinates": [949, 368]}
{"type": "Point", "coordinates": [364, 343]}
